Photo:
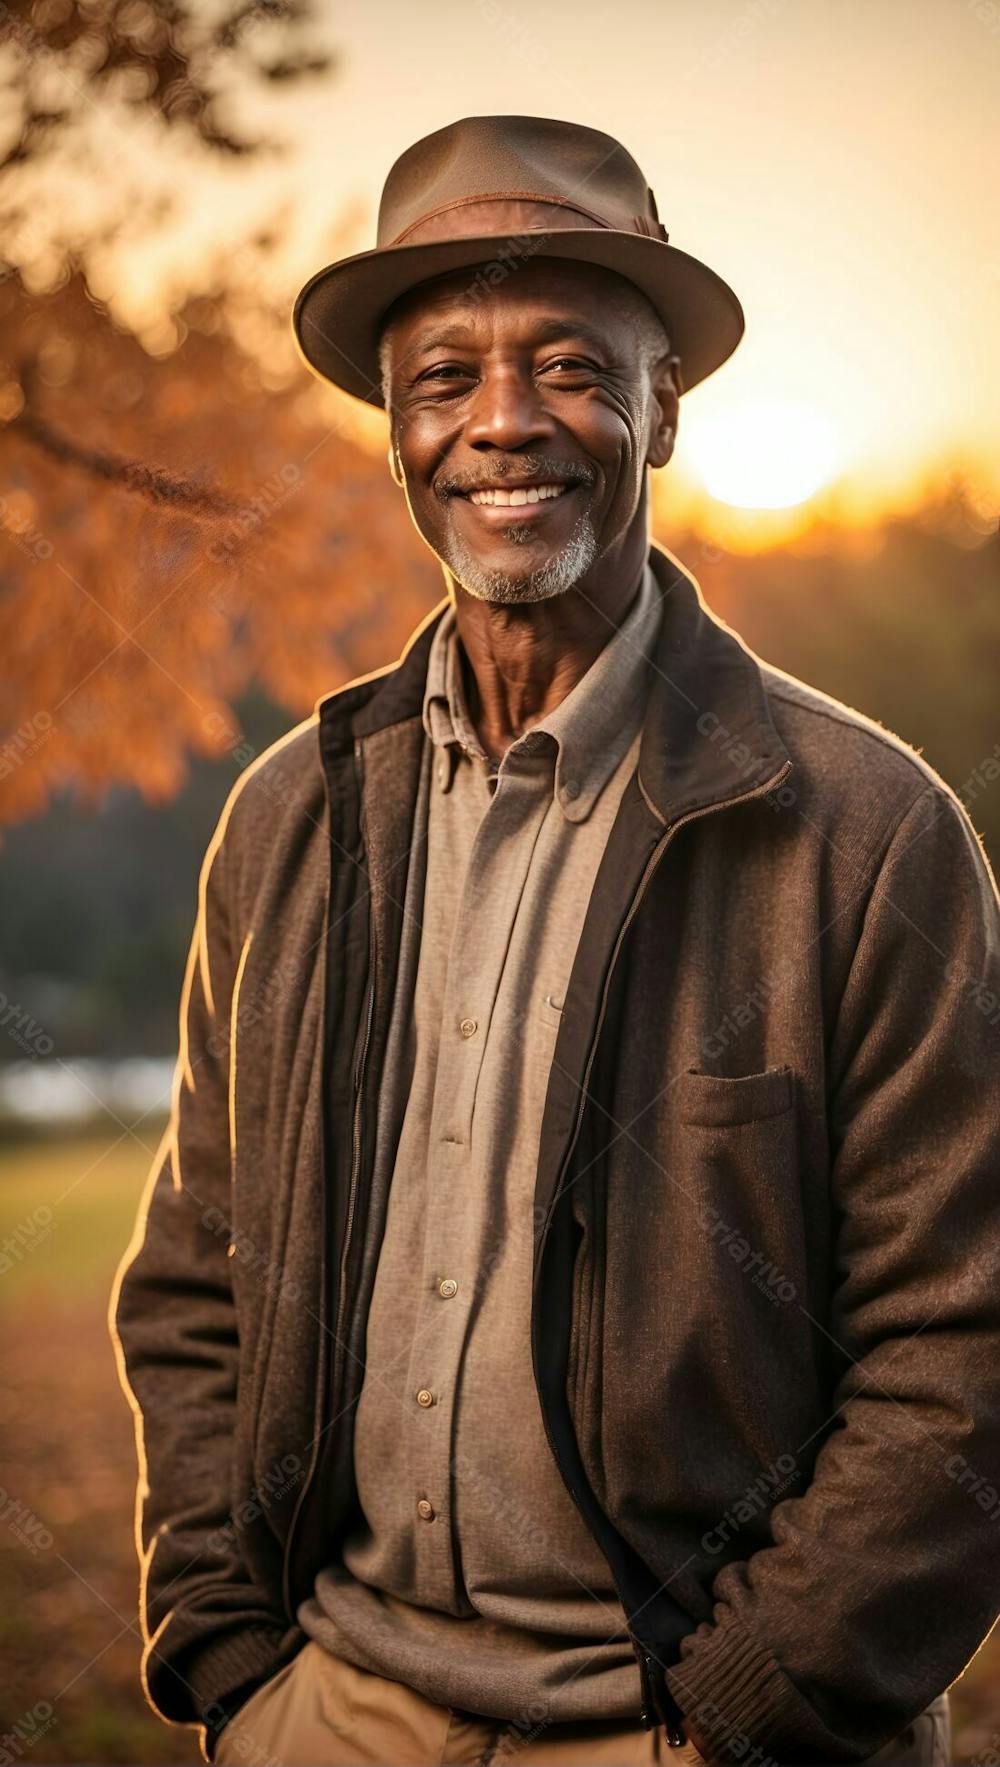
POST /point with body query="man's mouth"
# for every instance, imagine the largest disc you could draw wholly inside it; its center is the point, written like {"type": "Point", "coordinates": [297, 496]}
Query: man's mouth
{"type": "Point", "coordinates": [517, 495]}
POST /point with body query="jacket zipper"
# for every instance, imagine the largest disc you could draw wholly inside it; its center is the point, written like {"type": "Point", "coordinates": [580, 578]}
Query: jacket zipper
{"type": "Point", "coordinates": [359, 1076]}
{"type": "Point", "coordinates": [658, 1704]}
{"type": "Point", "coordinates": [352, 1197]}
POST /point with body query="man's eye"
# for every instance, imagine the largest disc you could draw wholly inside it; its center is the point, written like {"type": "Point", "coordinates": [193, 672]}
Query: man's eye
{"type": "Point", "coordinates": [575, 364]}
{"type": "Point", "coordinates": [443, 369]}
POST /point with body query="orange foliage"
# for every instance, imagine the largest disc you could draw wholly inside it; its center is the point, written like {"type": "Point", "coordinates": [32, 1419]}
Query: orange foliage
{"type": "Point", "coordinates": [169, 530]}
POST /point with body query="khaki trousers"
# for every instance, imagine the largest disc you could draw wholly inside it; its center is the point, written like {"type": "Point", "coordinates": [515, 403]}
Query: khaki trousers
{"type": "Point", "coordinates": [320, 1711]}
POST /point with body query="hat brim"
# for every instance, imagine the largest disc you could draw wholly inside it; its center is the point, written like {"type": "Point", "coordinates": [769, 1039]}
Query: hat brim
{"type": "Point", "coordinates": [337, 315]}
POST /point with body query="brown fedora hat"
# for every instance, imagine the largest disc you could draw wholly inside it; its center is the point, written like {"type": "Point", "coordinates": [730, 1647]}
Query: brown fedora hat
{"type": "Point", "coordinates": [488, 194]}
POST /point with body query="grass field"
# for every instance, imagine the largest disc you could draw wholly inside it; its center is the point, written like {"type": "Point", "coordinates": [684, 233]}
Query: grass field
{"type": "Point", "coordinates": [68, 1570]}
{"type": "Point", "coordinates": [69, 1636]}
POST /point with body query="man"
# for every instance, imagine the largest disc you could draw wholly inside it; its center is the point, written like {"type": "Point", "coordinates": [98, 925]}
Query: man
{"type": "Point", "coordinates": [562, 1319]}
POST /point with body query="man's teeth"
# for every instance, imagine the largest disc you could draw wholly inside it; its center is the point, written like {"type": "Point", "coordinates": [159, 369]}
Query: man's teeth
{"type": "Point", "coordinates": [520, 494]}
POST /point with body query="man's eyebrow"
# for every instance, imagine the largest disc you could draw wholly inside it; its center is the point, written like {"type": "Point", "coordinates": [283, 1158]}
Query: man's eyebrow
{"type": "Point", "coordinates": [556, 328]}
{"type": "Point", "coordinates": [459, 336]}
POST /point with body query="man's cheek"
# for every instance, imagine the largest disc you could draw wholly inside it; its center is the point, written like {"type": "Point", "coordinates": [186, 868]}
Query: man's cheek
{"type": "Point", "coordinates": [430, 520]}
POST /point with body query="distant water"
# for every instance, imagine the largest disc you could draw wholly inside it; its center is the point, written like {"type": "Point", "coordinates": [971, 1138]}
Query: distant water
{"type": "Point", "coordinates": [61, 1093]}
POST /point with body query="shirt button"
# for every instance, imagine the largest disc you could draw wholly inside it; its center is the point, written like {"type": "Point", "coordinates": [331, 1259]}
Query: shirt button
{"type": "Point", "coordinates": [447, 1288]}
{"type": "Point", "coordinates": [424, 1397]}
{"type": "Point", "coordinates": [425, 1510]}
{"type": "Point", "coordinates": [469, 1026]}
{"type": "Point", "coordinates": [571, 789]}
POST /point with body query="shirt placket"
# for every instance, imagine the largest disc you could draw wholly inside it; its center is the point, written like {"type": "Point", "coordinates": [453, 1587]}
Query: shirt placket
{"type": "Point", "coordinates": [463, 1211]}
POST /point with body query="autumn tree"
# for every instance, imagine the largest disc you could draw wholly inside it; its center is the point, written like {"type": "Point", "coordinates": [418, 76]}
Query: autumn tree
{"type": "Point", "coordinates": [182, 509]}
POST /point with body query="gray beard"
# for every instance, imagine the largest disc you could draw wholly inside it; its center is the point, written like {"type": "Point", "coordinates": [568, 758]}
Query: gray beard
{"type": "Point", "coordinates": [554, 577]}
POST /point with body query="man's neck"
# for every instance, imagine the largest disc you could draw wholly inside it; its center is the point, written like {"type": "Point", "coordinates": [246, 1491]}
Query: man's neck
{"type": "Point", "coordinates": [520, 661]}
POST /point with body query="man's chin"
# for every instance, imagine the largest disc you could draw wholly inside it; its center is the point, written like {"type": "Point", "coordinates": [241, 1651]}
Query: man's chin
{"type": "Point", "coordinates": [504, 589]}
{"type": "Point", "coordinates": [497, 579]}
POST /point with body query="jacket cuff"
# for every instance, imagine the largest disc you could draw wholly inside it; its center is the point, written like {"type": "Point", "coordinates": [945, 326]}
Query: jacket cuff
{"type": "Point", "coordinates": [738, 1695]}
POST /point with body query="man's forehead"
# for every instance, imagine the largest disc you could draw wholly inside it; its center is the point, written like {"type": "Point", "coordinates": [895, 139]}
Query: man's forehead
{"type": "Point", "coordinates": [577, 290]}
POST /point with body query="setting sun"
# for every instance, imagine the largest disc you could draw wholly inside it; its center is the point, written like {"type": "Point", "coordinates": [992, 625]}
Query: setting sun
{"type": "Point", "coordinates": [765, 455]}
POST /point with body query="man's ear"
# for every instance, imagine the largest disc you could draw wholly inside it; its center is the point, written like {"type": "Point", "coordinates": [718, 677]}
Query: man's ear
{"type": "Point", "coordinates": [666, 389]}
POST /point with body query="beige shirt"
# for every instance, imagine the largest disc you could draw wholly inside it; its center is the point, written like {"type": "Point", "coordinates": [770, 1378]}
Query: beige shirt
{"type": "Point", "coordinates": [474, 1578]}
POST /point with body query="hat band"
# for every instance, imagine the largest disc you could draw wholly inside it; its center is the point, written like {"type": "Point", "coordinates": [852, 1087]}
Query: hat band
{"type": "Point", "coordinates": [425, 224]}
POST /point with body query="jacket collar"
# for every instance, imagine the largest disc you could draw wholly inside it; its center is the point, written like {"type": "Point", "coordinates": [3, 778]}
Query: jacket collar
{"type": "Point", "coordinates": [707, 738]}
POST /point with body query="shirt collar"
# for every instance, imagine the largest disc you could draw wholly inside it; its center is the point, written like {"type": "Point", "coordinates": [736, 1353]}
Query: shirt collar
{"type": "Point", "coordinates": [592, 727]}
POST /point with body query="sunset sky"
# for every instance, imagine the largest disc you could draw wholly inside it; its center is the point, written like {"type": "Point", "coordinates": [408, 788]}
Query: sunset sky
{"type": "Point", "coordinates": [835, 160]}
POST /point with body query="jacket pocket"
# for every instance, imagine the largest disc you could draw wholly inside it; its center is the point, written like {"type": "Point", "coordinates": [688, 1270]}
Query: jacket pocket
{"type": "Point", "coordinates": [739, 1165]}
{"type": "Point", "coordinates": [715, 1100]}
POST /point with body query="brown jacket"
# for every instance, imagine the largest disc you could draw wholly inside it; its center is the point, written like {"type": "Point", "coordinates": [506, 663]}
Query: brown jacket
{"type": "Point", "coordinates": [767, 1261]}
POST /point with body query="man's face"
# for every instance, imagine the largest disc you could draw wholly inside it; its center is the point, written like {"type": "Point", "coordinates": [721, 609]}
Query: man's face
{"type": "Point", "coordinates": [537, 383]}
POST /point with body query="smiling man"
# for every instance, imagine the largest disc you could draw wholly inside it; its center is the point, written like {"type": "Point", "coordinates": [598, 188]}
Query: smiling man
{"type": "Point", "coordinates": [562, 1319]}
{"type": "Point", "coordinates": [594, 345]}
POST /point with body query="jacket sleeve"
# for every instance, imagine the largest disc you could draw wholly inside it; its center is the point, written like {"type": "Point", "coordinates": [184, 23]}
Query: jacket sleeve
{"type": "Point", "coordinates": [207, 1629]}
{"type": "Point", "coordinates": [883, 1577]}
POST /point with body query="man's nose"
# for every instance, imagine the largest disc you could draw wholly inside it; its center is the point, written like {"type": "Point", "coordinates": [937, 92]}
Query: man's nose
{"type": "Point", "coordinates": [506, 411]}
